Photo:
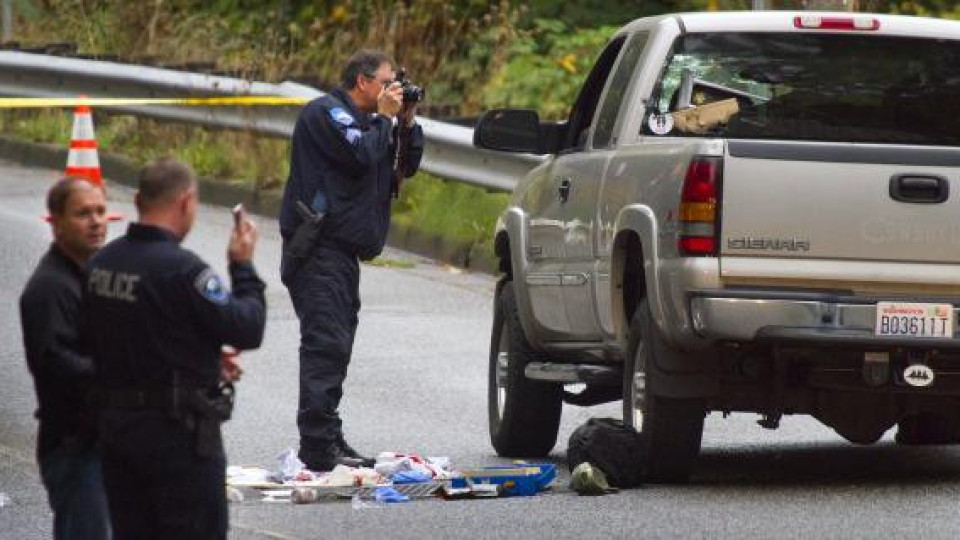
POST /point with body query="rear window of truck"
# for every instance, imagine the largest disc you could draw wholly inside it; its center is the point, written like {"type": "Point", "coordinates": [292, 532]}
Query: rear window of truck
{"type": "Point", "coordinates": [813, 87]}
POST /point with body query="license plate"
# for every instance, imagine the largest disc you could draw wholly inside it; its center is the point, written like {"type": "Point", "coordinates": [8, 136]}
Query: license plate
{"type": "Point", "coordinates": [914, 320]}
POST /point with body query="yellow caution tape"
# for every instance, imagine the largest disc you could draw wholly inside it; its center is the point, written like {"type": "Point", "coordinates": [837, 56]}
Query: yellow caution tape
{"type": "Point", "coordinates": [32, 103]}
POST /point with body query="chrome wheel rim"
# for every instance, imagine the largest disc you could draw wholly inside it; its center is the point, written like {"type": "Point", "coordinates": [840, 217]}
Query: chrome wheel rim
{"type": "Point", "coordinates": [638, 386]}
{"type": "Point", "coordinates": [503, 364]}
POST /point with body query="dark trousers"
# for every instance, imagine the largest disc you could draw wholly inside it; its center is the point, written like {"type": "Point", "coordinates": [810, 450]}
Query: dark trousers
{"type": "Point", "coordinates": [70, 471]}
{"type": "Point", "coordinates": [157, 486]}
{"type": "Point", "coordinates": [326, 296]}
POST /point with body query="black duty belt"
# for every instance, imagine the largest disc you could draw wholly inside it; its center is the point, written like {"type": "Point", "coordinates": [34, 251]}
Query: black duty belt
{"type": "Point", "coordinates": [153, 398]}
{"type": "Point", "coordinates": [201, 411]}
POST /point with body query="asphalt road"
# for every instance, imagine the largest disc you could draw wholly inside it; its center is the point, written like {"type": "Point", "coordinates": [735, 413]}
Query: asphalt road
{"type": "Point", "coordinates": [417, 384]}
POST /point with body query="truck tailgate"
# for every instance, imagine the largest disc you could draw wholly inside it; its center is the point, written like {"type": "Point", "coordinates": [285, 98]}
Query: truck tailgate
{"type": "Point", "coordinates": [824, 203]}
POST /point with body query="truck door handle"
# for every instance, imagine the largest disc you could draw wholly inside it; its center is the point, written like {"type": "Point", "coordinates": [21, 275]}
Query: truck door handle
{"type": "Point", "coordinates": [563, 189]}
{"type": "Point", "coordinates": [919, 188]}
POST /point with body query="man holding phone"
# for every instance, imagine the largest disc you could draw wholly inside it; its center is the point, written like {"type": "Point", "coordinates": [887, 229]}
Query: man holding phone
{"type": "Point", "coordinates": [158, 320]}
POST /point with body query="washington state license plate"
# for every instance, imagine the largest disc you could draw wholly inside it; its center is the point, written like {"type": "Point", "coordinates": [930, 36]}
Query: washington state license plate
{"type": "Point", "coordinates": [914, 320]}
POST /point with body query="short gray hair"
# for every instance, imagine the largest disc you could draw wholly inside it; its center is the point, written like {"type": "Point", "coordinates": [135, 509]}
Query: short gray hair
{"type": "Point", "coordinates": [366, 63]}
{"type": "Point", "coordinates": [162, 180]}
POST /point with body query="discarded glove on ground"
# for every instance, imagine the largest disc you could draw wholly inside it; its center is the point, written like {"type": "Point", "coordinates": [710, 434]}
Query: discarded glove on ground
{"type": "Point", "coordinates": [589, 480]}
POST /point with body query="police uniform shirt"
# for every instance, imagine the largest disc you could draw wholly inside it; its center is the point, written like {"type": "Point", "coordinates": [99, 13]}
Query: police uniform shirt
{"type": "Point", "coordinates": [154, 307]}
{"type": "Point", "coordinates": [62, 373]}
{"type": "Point", "coordinates": [347, 156]}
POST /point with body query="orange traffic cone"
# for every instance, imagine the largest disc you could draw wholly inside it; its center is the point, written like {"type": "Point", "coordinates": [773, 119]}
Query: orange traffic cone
{"type": "Point", "coordinates": [83, 160]}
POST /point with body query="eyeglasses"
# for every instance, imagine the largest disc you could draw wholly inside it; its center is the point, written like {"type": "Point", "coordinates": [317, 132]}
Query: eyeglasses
{"type": "Point", "coordinates": [385, 83]}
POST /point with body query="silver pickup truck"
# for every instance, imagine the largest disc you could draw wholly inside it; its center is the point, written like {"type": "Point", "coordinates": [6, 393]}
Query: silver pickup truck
{"type": "Point", "coordinates": [744, 212]}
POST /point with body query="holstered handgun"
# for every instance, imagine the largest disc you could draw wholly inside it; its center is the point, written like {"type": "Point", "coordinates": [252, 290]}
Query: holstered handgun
{"type": "Point", "coordinates": [306, 234]}
{"type": "Point", "coordinates": [211, 408]}
{"type": "Point", "coordinates": [304, 238]}
{"type": "Point", "coordinates": [201, 411]}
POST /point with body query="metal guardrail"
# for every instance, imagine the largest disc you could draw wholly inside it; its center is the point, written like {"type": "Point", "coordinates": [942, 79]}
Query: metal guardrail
{"type": "Point", "coordinates": [449, 150]}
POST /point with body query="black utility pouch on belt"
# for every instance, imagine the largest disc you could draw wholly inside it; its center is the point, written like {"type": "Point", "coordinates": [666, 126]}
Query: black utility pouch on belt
{"type": "Point", "coordinates": [210, 408]}
{"type": "Point", "coordinates": [304, 238]}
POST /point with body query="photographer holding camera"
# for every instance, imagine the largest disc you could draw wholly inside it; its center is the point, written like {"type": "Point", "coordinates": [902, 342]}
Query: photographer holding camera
{"type": "Point", "coordinates": [335, 213]}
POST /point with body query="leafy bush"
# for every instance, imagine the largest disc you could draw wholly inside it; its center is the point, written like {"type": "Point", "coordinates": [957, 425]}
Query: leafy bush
{"type": "Point", "coordinates": [546, 67]}
{"type": "Point", "coordinates": [458, 211]}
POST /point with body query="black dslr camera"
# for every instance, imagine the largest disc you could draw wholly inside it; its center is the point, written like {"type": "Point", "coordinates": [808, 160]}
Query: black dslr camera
{"type": "Point", "coordinates": [411, 92]}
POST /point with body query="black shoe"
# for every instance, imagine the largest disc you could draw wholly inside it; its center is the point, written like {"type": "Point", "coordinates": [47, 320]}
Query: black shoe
{"type": "Point", "coordinates": [325, 459]}
{"type": "Point", "coordinates": [347, 450]}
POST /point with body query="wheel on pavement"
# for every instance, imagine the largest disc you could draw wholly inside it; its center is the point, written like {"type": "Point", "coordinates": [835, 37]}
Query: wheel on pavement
{"type": "Point", "coordinates": [524, 414]}
{"type": "Point", "coordinates": [672, 427]}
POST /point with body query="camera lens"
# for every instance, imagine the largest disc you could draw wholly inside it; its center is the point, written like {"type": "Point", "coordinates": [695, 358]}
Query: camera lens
{"type": "Point", "coordinates": [412, 93]}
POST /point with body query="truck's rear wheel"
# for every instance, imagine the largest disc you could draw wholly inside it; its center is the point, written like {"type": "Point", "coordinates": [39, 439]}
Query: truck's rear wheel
{"type": "Point", "coordinates": [672, 427]}
{"type": "Point", "coordinates": [524, 414]}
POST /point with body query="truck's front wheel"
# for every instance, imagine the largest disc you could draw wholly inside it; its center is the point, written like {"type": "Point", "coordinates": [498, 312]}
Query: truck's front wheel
{"type": "Point", "coordinates": [672, 427]}
{"type": "Point", "coordinates": [524, 414]}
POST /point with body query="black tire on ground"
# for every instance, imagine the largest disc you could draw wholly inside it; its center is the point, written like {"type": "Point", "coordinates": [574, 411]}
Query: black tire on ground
{"type": "Point", "coordinates": [927, 429]}
{"type": "Point", "coordinates": [672, 427]}
{"type": "Point", "coordinates": [524, 414]}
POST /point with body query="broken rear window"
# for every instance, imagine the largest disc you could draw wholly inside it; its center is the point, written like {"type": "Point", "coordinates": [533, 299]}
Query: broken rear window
{"type": "Point", "coordinates": [816, 87]}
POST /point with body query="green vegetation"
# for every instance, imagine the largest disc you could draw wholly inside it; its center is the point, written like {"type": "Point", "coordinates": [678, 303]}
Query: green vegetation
{"type": "Point", "coordinates": [232, 156]}
{"type": "Point", "coordinates": [470, 55]}
{"type": "Point", "coordinates": [546, 67]}
{"type": "Point", "coordinates": [463, 213]}
{"type": "Point", "coordinates": [385, 262]}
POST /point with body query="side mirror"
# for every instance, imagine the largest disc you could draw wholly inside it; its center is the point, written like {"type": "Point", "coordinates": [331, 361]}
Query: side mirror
{"type": "Point", "coordinates": [509, 130]}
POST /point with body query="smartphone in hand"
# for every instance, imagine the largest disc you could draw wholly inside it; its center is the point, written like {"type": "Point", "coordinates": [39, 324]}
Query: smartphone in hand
{"type": "Point", "coordinates": [238, 215]}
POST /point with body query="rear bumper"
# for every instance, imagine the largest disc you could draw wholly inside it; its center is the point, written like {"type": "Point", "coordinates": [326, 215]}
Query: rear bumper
{"type": "Point", "coordinates": [804, 319]}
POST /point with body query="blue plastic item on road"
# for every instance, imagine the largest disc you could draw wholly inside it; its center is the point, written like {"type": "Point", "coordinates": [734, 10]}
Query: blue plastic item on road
{"type": "Point", "coordinates": [520, 480]}
{"type": "Point", "coordinates": [389, 495]}
{"type": "Point", "coordinates": [410, 477]}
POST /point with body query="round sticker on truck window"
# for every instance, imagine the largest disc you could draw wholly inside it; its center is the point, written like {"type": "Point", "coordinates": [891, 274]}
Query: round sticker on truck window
{"type": "Point", "coordinates": [660, 124]}
{"type": "Point", "coordinates": [918, 375]}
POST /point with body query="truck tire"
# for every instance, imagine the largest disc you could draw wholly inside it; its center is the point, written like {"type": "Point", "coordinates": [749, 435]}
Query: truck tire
{"type": "Point", "coordinates": [672, 427]}
{"type": "Point", "coordinates": [926, 429]}
{"type": "Point", "coordinates": [524, 414]}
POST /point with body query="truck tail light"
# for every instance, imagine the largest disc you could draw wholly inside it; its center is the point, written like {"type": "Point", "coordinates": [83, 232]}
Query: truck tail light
{"type": "Point", "coordinates": [699, 223]}
{"type": "Point", "coordinates": [816, 22]}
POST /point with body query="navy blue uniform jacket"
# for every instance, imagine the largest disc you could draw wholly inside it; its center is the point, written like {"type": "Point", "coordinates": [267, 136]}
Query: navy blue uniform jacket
{"type": "Point", "coordinates": [347, 156]}
{"type": "Point", "coordinates": [153, 307]}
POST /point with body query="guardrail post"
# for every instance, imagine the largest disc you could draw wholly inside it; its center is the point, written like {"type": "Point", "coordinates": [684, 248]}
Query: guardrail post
{"type": "Point", "coordinates": [7, 15]}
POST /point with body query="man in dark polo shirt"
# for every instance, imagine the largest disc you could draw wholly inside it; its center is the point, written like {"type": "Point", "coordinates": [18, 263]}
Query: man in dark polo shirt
{"type": "Point", "coordinates": [63, 373]}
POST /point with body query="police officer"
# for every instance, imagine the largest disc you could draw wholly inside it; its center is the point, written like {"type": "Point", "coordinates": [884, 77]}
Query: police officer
{"type": "Point", "coordinates": [63, 371]}
{"type": "Point", "coordinates": [157, 317]}
{"type": "Point", "coordinates": [342, 161]}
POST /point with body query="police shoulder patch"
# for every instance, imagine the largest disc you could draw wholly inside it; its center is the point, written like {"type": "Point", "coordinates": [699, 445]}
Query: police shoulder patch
{"type": "Point", "coordinates": [353, 135]}
{"type": "Point", "coordinates": [211, 287]}
{"type": "Point", "coordinates": [341, 116]}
